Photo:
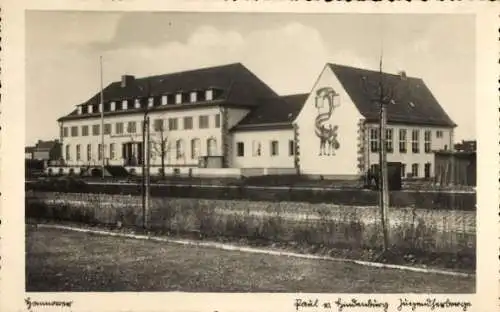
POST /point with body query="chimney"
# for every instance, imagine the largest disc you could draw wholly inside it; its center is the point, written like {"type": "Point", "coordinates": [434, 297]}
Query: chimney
{"type": "Point", "coordinates": [127, 80]}
{"type": "Point", "coordinates": [402, 75]}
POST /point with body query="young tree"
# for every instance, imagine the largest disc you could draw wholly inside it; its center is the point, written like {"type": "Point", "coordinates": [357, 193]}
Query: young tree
{"type": "Point", "coordinates": [382, 93]}
{"type": "Point", "coordinates": [159, 146]}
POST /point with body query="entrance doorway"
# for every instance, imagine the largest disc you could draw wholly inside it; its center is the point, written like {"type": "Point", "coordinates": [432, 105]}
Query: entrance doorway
{"type": "Point", "coordinates": [132, 153]}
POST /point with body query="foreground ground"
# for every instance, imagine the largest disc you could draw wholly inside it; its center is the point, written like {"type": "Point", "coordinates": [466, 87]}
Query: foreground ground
{"type": "Point", "coordinates": [59, 260]}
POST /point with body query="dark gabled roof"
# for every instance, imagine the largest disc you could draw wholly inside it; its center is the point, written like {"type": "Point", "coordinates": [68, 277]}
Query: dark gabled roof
{"type": "Point", "coordinates": [274, 112]}
{"type": "Point", "coordinates": [413, 101]}
{"type": "Point", "coordinates": [236, 84]}
{"type": "Point", "coordinates": [45, 145]}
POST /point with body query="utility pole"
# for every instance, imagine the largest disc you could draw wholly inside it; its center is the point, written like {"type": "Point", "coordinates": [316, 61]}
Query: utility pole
{"type": "Point", "coordinates": [145, 160]}
{"type": "Point", "coordinates": [102, 121]}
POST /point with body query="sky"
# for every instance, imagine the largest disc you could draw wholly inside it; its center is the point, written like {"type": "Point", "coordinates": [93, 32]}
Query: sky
{"type": "Point", "coordinates": [287, 51]}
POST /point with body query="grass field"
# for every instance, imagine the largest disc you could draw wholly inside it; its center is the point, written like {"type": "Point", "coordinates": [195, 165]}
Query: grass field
{"type": "Point", "coordinates": [59, 260]}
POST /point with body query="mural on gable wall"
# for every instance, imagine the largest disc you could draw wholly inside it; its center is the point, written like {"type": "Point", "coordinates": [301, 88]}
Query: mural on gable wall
{"type": "Point", "coordinates": [325, 131]}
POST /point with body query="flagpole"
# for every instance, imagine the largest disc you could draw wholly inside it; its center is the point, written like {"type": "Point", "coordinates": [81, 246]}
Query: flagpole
{"type": "Point", "coordinates": [102, 120]}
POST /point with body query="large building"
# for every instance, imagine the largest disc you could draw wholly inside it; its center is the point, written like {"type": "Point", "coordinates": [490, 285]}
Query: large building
{"type": "Point", "coordinates": [225, 120]}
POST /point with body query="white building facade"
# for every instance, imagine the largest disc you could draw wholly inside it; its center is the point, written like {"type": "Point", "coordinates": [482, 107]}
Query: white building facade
{"type": "Point", "coordinates": [225, 119]}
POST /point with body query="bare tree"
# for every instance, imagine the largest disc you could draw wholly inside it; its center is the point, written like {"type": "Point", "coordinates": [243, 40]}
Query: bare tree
{"type": "Point", "coordinates": [159, 146]}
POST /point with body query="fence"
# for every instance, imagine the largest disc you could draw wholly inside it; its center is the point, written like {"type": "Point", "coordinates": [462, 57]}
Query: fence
{"type": "Point", "coordinates": [411, 229]}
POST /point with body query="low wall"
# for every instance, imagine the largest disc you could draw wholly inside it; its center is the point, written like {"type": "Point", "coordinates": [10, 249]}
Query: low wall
{"type": "Point", "coordinates": [418, 230]}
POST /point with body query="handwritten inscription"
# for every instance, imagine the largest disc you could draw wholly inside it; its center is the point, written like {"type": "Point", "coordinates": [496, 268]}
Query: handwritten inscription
{"type": "Point", "coordinates": [54, 303]}
{"type": "Point", "coordinates": [433, 304]}
{"type": "Point", "coordinates": [404, 305]}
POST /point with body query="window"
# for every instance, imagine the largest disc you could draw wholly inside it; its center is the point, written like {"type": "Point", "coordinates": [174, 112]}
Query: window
{"type": "Point", "coordinates": [209, 95]}
{"type": "Point", "coordinates": [203, 122]}
{"type": "Point", "coordinates": [291, 147]}
{"type": "Point", "coordinates": [85, 130]}
{"type": "Point", "coordinates": [131, 127]}
{"type": "Point", "coordinates": [74, 131]}
{"type": "Point", "coordinates": [68, 156]}
{"type": "Point", "coordinates": [164, 100]}
{"type": "Point", "coordinates": [402, 140]}
{"type": "Point", "coordinates": [172, 124]}
{"type": "Point", "coordinates": [389, 146]}
{"type": "Point", "coordinates": [178, 98]}
{"type": "Point", "coordinates": [107, 129]}
{"type": "Point", "coordinates": [79, 110]}
{"type": "Point", "coordinates": [211, 147]}
{"type": "Point", "coordinates": [158, 125]}
{"type": "Point", "coordinates": [137, 103]}
{"type": "Point", "coordinates": [112, 106]}
{"type": "Point", "coordinates": [89, 152]}
{"type": "Point", "coordinates": [217, 121]}
{"type": "Point", "coordinates": [125, 105]}
{"type": "Point", "coordinates": [95, 129]}
{"type": "Point", "coordinates": [112, 151]}
{"type": "Point", "coordinates": [151, 102]}
{"type": "Point", "coordinates": [414, 170]}
{"type": "Point", "coordinates": [90, 109]}
{"type": "Point", "coordinates": [65, 131]}
{"type": "Point", "coordinates": [99, 152]}
{"type": "Point", "coordinates": [415, 141]}
{"type": "Point", "coordinates": [374, 140]}
{"type": "Point", "coordinates": [195, 148]}
{"type": "Point", "coordinates": [427, 141]}
{"type": "Point", "coordinates": [119, 128]}
{"type": "Point", "coordinates": [78, 152]}
{"type": "Point", "coordinates": [192, 97]}
{"type": "Point", "coordinates": [179, 149]}
{"type": "Point", "coordinates": [403, 170]}
{"type": "Point", "coordinates": [427, 170]}
{"type": "Point", "coordinates": [256, 148]}
{"type": "Point", "coordinates": [274, 148]}
{"type": "Point", "coordinates": [240, 149]}
{"type": "Point", "coordinates": [188, 123]}
{"type": "Point", "coordinates": [439, 134]}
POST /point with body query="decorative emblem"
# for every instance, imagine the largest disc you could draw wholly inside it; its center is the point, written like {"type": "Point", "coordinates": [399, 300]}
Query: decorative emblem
{"type": "Point", "coordinates": [327, 133]}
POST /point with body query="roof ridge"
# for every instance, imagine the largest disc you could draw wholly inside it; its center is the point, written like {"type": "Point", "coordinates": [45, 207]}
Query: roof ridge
{"type": "Point", "coordinates": [332, 65]}
{"type": "Point", "coordinates": [185, 71]}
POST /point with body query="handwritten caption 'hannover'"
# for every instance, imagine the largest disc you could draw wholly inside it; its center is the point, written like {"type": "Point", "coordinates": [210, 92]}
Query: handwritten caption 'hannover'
{"type": "Point", "coordinates": [403, 305]}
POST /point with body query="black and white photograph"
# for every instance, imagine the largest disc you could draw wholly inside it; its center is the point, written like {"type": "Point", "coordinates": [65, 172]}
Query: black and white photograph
{"type": "Point", "coordinates": [316, 160]}
{"type": "Point", "coordinates": [304, 142]}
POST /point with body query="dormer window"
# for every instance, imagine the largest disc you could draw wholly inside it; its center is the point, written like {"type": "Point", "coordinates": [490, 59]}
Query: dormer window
{"type": "Point", "coordinates": [151, 102]}
{"type": "Point", "coordinates": [137, 103]}
{"type": "Point", "coordinates": [79, 110]}
{"type": "Point", "coordinates": [90, 109]}
{"type": "Point", "coordinates": [164, 100]}
{"type": "Point", "coordinates": [193, 97]}
{"type": "Point", "coordinates": [124, 105]}
{"type": "Point", "coordinates": [209, 95]}
{"type": "Point", "coordinates": [178, 98]}
{"type": "Point", "coordinates": [112, 106]}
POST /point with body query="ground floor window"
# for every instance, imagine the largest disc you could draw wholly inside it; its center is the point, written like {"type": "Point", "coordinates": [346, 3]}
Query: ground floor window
{"type": "Point", "coordinates": [427, 170]}
{"type": "Point", "coordinates": [68, 156]}
{"type": "Point", "coordinates": [211, 147]}
{"type": "Point", "coordinates": [274, 148]}
{"type": "Point", "coordinates": [403, 170]}
{"type": "Point", "coordinates": [291, 147]}
{"type": "Point", "coordinates": [78, 152]}
{"type": "Point", "coordinates": [240, 149]}
{"type": "Point", "coordinates": [414, 170]}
